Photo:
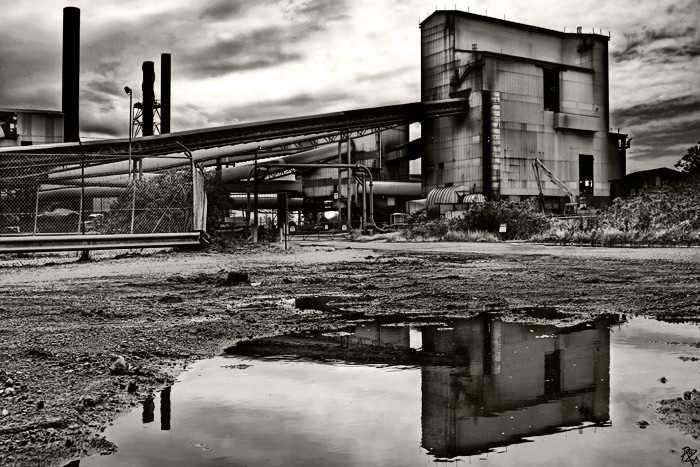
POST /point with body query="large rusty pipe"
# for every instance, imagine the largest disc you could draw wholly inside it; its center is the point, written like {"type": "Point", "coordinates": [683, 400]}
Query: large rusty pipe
{"type": "Point", "coordinates": [327, 166]}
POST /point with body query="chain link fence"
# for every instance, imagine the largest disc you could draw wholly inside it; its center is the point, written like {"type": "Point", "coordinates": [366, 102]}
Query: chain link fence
{"type": "Point", "coordinates": [93, 194]}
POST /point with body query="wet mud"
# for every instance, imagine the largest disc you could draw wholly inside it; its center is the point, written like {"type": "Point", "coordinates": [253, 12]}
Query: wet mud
{"type": "Point", "coordinates": [63, 325]}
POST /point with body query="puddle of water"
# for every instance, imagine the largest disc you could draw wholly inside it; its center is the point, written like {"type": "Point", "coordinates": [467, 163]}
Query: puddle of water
{"type": "Point", "coordinates": [397, 393]}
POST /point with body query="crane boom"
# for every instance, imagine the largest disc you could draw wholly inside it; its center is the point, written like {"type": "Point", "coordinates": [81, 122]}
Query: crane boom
{"type": "Point", "coordinates": [537, 164]}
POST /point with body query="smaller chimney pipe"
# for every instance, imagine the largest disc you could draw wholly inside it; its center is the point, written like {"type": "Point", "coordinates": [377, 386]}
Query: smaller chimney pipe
{"type": "Point", "coordinates": [165, 61]}
{"type": "Point", "coordinates": [149, 78]}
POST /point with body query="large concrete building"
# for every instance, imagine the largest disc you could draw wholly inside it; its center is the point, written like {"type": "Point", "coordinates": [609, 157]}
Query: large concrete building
{"type": "Point", "coordinates": [25, 127]}
{"type": "Point", "coordinates": [533, 93]}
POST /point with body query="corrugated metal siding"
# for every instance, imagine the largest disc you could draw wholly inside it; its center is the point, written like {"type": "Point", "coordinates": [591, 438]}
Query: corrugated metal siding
{"type": "Point", "coordinates": [453, 146]}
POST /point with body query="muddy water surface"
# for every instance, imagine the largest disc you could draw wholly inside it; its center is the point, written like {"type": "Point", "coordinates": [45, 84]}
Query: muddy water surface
{"type": "Point", "coordinates": [415, 393]}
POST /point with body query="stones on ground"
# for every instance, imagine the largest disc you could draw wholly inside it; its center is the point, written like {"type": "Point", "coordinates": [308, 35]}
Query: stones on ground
{"type": "Point", "coordinates": [663, 380]}
{"type": "Point", "coordinates": [171, 299]}
{"type": "Point", "coordinates": [642, 424]}
{"type": "Point", "coordinates": [118, 366]}
{"type": "Point", "coordinates": [223, 278]}
{"type": "Point", "coordinates": [236, 278]}
{"type": "Point", "coordinates": [40, 405]}
{"type": "Point", "coordinates": [10, 391]}
{"type": "Point", "coordinates": [5, 413]}
{"type": "Point", "coordinates": [9, 383]}
{"type": "Point", "coordinates": [132, 387]}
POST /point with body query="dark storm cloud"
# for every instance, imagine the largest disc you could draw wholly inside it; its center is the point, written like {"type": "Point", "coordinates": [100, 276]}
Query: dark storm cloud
{"type": "Point", "coordinates": [640, 45]}
{"type": "Point", "coordinates": [658, 127]}
{"type": "Point", "coordinates": [29, 75]}
{"type": "Point", "coordinates": [107, 67]}
{"type": "Point", "coordinates": [222, 10]}
{"type": "Point", "coordinates": [316, 10]}
{"type": "Point", "coordinates": [388, 75]}
{"type": "Point", "coordinates": [295, 106]}
{"type": "Point", "coordinates": [658, 110]}
{"type": "Point", "coordinates": [100, 92]}
{"type": "Point", "coordinates": [105, 87]}
{"type": "Point", "coordinates": [261, 48]}
{"type": "Point", "coordinates": [101, 127]}
{"type": "Point", "coordinates": [651, 44]}
{"type": "Point", "coordinates": [647, 147]}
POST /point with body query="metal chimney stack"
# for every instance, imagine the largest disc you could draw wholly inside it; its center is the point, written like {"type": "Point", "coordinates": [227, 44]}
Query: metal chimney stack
{"type": "Point", "coordinates": [165, 93]}
{"type": "Point", "coordinates": [149, 78]}
{"type": "Point", "coordinates": [71, 74]}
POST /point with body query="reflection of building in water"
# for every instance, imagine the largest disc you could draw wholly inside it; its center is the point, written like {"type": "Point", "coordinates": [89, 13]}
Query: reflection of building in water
{"type": "Point", "coordinates": [485, 382]}
{"type": "Point", "coordinates": [377, 334]}
{"type": "Point", "coordinates": [148, 408]}
{"type": "Point", "coordinates": [519, 380]}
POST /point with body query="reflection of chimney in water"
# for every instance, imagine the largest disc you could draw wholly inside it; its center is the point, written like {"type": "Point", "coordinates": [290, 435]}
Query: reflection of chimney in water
{"type": "Point", "coordinates": [148, 409]}
{"type": "Point", "coordinates": [165, 409]}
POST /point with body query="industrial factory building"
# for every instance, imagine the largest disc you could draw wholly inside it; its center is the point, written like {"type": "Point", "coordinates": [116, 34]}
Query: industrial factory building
{"type": "Point", "coordinates": [533, 94]}
{"type": "Point", "coordinates": [499, 99]}
{"type": "Point", "coordinates": [24, 127]}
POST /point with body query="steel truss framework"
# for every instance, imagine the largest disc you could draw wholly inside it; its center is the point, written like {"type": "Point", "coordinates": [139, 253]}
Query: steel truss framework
{"type": "Point", "coordinates": [328, 127]}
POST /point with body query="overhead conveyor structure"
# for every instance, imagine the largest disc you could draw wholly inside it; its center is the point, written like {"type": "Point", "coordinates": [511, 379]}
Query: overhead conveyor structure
{"type": "Point", "coordinates": [234, 143]}
{"type": "Point", "coordinates": [286, 131]}
{"type": "Point", "coordinates": [103, 169]}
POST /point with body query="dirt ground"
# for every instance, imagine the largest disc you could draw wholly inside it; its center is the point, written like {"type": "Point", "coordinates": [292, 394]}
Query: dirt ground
{"type": "Point", "coordinates": [63, 324]}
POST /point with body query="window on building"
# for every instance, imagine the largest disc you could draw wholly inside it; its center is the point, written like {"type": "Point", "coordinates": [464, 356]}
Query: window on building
{"type": "Point", "coordinates": [551, 89]}
{"type": "Point", "coordinates": [585, 171]}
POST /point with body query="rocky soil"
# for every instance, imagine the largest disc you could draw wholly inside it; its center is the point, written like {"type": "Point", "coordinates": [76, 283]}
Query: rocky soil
{"type": "Point", "coordinates": [82, 343]}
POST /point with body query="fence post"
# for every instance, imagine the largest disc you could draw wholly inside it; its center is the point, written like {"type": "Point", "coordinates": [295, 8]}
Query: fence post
{"type": "Point", "coordinates": [132, 183]}
{"type": "Point", "coordinates": [81, 220]}
{"type": "Point", "coordinates": [194, 199]}
{"type": "Point", "coordinates": [189, 155]}
{"type": "Point", "coordinates": [36, 208]}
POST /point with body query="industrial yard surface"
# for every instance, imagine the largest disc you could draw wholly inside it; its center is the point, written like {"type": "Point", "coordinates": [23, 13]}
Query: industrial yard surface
{"type": "Point", "coordinates": [64, 324]}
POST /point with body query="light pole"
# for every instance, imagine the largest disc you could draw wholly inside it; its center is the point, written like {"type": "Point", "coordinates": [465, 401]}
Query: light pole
{"type": "Point", "coordinates": [127, 89]}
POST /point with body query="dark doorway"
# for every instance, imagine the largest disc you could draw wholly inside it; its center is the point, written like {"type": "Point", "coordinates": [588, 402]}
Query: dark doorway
{"type": "Point", "coordinates": [585, 179]}
{"type": "Point", "coordinates": [585, 170]}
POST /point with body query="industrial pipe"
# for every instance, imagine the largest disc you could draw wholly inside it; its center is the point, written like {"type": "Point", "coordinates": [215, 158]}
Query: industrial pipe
{"type": "Point", "coordinates": [327, 166]}
{"type": "Point", "coordinates": [165, 61]}
{"type": "Point", "coordinates": [70, 94]}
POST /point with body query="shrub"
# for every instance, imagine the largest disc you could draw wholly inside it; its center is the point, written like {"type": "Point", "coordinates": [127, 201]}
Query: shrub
{"type": "Point", "coordinates": [523, 219]}
{"type": "Point", "coordinates": [162, 204]}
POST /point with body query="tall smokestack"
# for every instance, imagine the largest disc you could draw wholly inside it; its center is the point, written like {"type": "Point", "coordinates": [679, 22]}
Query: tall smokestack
{"type": "Point", "coordinates": [164, 93]}
{"type": "Point", "coordinates": [71, 74]}
{"type": "Point", "coordinates": [149, 78]}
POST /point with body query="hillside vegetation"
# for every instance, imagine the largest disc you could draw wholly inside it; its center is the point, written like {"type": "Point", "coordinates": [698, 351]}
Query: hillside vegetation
{"type": "Point", "coordinates": [668, 217]}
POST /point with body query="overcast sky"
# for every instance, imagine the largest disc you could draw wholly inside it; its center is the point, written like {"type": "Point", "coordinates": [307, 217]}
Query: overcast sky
{"type": "Point", "coordinates": [248, 60]}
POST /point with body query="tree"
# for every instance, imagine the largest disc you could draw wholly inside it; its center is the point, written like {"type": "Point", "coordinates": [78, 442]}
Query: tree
{"type": "Point", "coordinates": [691, 161]}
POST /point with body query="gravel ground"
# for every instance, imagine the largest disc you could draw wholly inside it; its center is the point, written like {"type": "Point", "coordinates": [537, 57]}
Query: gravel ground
{"type": "Point", "coordinates": [64, 324]}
